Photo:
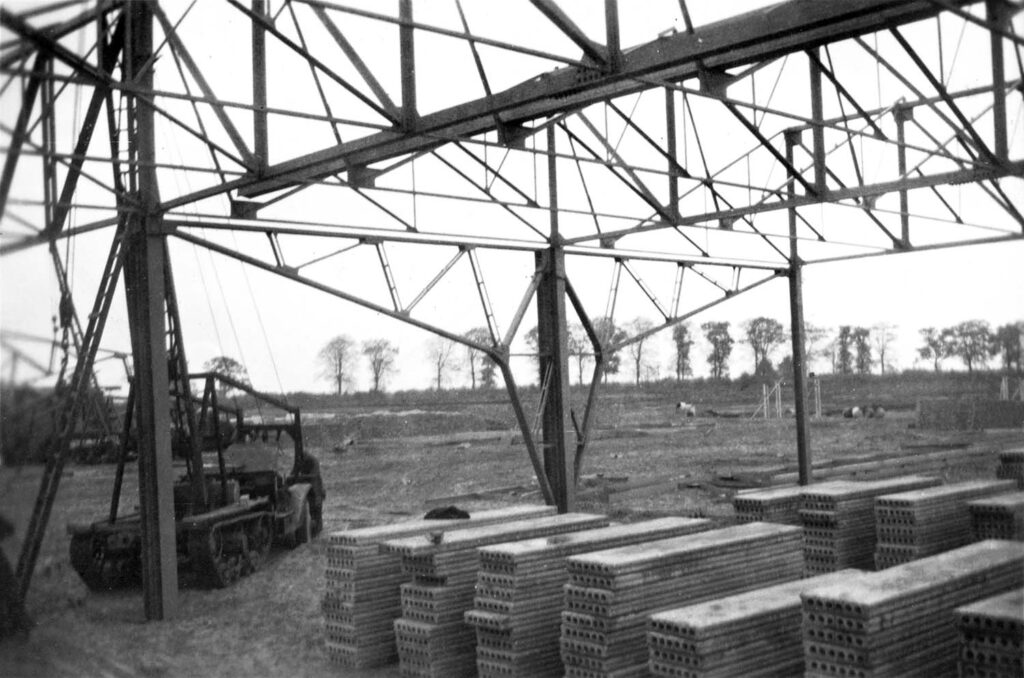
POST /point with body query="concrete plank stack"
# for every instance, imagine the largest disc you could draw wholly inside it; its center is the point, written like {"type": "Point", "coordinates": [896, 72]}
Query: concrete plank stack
{"type": "Point", "coordinates": [362, 598]}
{"type": "Point", "coordinates": [999, 517]}
{"type": "Point", "coordinates": [839, 521]}
{"type": "Point", "coordinates": [750, 634]}
{"type": "Point", "coordinates": [775, 504]}
{"type": "Point", "coordinates": [911, 525]}
{"type": "Point", "coordinates": [900, 621]}
{"type": "Point", "coordinates": [992, 636]}
{"type": "Point", "coordinates": [432, 637]}
{"type": "Point", "coordinates": [1011, 466]}
{"type": "Point", "coordinates": [610, 594]}
{"type": "Point", "coordinates": [518, 603]}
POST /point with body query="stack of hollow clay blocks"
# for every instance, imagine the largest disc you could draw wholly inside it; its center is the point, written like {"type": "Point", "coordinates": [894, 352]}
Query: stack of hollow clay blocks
{"type": "Point", "coordinates": [1011, 466]}
{"type": "Point", "coordinates": [518, 603]}
{"type": "Point", "coordinates": [776, 504]}
{"type": "Point", "coordinates": [992, 636]}
{"type": "Point", "coordinates": [912, 525]}
{"type": "Point", "coordinates": [900, 621]}
{"type": "Point", "coordinates": [999, 517]}
{"type": "Point", "coordinates": [362, 598]}
{"type": "Point", "coordinates": [610, 594]}
{"type": "Point", "coordinates": [432, 636]}
{"type": "Point", "coordinates": [839, 521]}
{"type": "Point", "coordinates": [750, 634]}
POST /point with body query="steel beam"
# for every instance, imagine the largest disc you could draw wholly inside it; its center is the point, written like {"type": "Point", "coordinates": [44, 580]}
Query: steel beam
{"type": "Point", "coordinates": [145, 273]}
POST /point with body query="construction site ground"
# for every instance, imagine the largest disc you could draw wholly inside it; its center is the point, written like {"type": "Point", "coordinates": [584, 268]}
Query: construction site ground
{"type": "Point", "coordinates": [270, 623]}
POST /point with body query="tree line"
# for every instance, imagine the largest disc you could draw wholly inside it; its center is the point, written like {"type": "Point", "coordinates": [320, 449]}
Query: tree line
{"type": "Point", "coordinates": [847, 349]}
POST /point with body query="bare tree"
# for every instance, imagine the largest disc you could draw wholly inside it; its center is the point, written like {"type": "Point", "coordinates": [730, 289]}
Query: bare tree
{"type": "Point", "coordinates": [336, 358]}
{"type": "Point", "coordinates": [972, 343]}
{"type": "Point", "coordinates": [381, 353]}
{"type": "Point", "coordinates": [476, 360]}
{"type": "Point", "coordinates": [861, 337]}
{"type": "Point", "coordinates": [579, 347]}
{"type": "Point", "coordinates": [442, 356]}
{"type": "Point", "coordinates": [608, 334]}
{"type": "Point", "coordinates": [813, 337]}
{"type": "Point", "coordinates": [229, 367]}
{"type": "Point", "coordinates": [882, 336]}
{"type": "Point", "coordinates": [763, 335]}
{"type": "Point", "coordinates": [683, 343]}
{"type": "Point", "coordinates": [844, 352]}
{"type": "Point", "coordinates": [636, 349]}
{"type": "Point", "coordinates": [938, 344]}
{"type": "Point", "coordinates": [717, 334]}
{"type": "Point", "coordinates": [1008, 342]}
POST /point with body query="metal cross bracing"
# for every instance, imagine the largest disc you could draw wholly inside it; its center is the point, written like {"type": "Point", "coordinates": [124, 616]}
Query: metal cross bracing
{"type": "Point", "coordinates": [475, 164]}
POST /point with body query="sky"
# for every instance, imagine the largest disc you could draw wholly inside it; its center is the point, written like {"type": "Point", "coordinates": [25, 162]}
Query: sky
{"type": "Point", "coordinates": [276, 328]}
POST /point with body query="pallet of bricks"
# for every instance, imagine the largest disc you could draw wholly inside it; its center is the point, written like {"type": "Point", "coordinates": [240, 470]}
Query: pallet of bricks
{"type": "Point", "coordinates": [1011, 466]}
{"type": "Point", "coordinates": [901, 621]}
{"type": "Point", "coordinates": [432, 637]}
{"type": "Point", "coordinates": [999, 517]}
{"type": "Point", "coordinates": [750, 634]}
{"type": "Point", "coordinates": [839, 521]}
{"type": "Point", "coordinates": [518, 603]}
{"type": "Point", "coordinates": [362, 597]}
{"type": "Point", "coordinates": [610, 594]}
{"type": "Point", "coordinates": [911, 525]}
{"type": "Point", "coordinates": [992, 636]}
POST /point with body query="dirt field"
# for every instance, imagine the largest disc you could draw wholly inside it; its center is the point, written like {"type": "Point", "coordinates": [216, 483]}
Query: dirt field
{"type": "Point", "coordinates": [270, 623]}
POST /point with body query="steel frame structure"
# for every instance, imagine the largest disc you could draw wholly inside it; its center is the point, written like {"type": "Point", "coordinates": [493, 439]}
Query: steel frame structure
{"type": "Point", "coordinates": [703, 163]}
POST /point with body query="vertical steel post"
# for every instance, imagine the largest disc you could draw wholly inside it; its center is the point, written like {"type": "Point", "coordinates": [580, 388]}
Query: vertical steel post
{"type": "Point", "coordinates": [997, 14]}
{"type": "Point", "coordinates": [670, 138]}
{"type": "Point", "coordinates": [902, 114]}
{"type": "Point", "coordinates": [144, 289]}
{"type": "Point", "coordinates": [407, 52]}
{"type": "Point", "coordinates": [259, 89]}
{"type": "Point", "coordinates": [611, 26]}
{"type": "Point", "coordinates": [817, 130]}
{"type": "Point", "coordinates": [559, 446]}
{"type": "Point", "coordinates": [796, 310]}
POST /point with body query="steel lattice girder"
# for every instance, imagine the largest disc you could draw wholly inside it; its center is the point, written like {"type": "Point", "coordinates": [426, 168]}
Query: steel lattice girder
{"type": "Point", "coordinates": [750, 38]}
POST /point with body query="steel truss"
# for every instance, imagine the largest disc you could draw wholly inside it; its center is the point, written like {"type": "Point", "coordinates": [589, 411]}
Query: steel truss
{"type": "Point", "coordinates": [703, 164]}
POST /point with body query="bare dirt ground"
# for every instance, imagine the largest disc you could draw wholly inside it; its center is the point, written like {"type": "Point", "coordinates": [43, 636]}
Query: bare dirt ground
{"type": "Point", "coordinates": [270, 623]}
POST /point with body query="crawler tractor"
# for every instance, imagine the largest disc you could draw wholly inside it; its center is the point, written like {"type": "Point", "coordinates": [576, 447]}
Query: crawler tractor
{"type": "Point", "coordinates": [232, 503]}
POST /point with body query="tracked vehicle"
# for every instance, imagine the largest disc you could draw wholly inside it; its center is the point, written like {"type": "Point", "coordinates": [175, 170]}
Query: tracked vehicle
{"type": "Point", "coordinates": [234, 501]}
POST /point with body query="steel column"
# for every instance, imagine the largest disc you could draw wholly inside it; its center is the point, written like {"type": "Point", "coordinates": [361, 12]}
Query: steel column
{"type": "Point", "coordinates": [796, 311]}
{"type": "Point", "coordinates": [144, 273]}
{"type": "Point", "coordinates": [259, 89]}
{"type": "Point", "coordinates": [552, 344]}
{"type": "Point", "coordinates": [611, 28]}
{"type": "Point", "coordinates": [997, 14]}
{"type": "Point", "coordinates": [408, 62]}
{"type": "Point", "coordinates": [673, 163]}
{"type": "Point", "coordinates": [902, 115]}
{"type": "Point", "coordinates": [817, 131]}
